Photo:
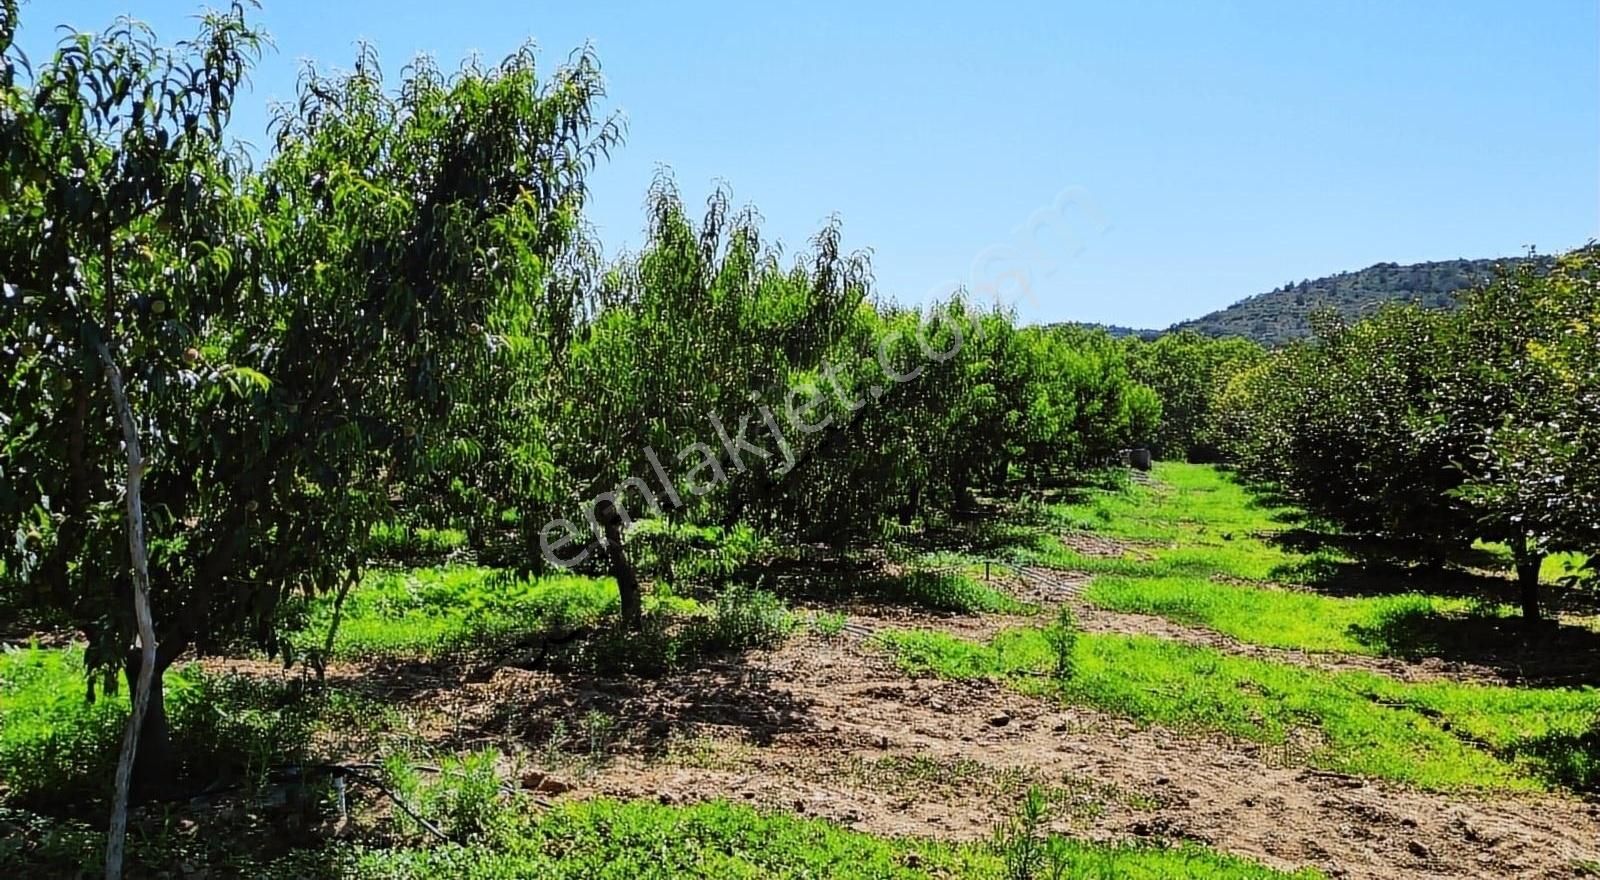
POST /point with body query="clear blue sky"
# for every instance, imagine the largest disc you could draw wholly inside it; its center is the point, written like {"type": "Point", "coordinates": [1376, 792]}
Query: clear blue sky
{"type": "Point", "coordinates": [1209, 150]}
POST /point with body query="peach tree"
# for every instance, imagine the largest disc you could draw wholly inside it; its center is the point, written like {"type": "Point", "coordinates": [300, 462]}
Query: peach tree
{"type": "Point", "coordinates": [293, 341]}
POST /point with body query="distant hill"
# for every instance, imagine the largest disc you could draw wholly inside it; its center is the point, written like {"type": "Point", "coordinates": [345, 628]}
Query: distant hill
{"type": "Point", "coordinates": [1281, 315]}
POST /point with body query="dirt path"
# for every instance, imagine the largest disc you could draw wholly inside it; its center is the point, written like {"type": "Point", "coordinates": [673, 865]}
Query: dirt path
{"type": "Point", "coordinates": [829, 727]}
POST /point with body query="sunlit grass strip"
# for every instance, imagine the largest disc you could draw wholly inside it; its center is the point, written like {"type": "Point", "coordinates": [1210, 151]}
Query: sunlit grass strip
{"type": "Point", "coordinates": [1274, 617]}
{"type": "Point", "coordinates": [1246, 560]}
{"type": "Point", "coordinates": [951, 589]}
{"type": "Point", "coordinates": [1195, 521]}
{"type": "Point", "coordinates": [1440, 736]}
{"type": "Point", "coordinates": [1186, 498]}
{"type": "Point", "coordinates": [397, 540]}
{"type": "Point", "coordinates": [430, 612]}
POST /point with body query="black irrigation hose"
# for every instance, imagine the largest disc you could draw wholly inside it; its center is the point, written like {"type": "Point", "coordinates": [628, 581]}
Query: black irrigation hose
{"type": "Point", "coordinates": [406, 808]}
{"type": "Point", "coordinates": [506, 790]}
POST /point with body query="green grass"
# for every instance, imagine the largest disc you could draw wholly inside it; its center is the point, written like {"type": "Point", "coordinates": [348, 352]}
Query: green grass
{"type": "Point", "coordinates": [1185, 500]}
{"type": "Point", "coordinates": [50, 736]}
{"type": "Point", "coordinates": [436, 612]}
{"type": "Point", "coordinates": [1441, 736]}
{"type": "Point", "coordinates": [1276, 617]}
{"type": "Point", "coordinates": [1200, 551]}
{"type": "Point", "coordinates": [1195, 521]}
{"type": "Point", "coordinates": [958, 591]}
{"type": "Point", "coordinates": [608, 839]}
{"type": "Point", "coordinates": [1247, 560]}
{"type": "Point", "coordinates": [442, 613]}
{"type": "Point", "coordinates": [398, 541]}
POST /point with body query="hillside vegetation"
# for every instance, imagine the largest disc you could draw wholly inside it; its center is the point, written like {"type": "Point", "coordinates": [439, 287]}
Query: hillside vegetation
{"type": "Point", "coordinates": [1284, 313]}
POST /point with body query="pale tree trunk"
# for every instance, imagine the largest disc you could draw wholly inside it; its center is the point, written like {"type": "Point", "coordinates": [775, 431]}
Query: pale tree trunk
{"type": "Point", "coordinates": [116, 836]}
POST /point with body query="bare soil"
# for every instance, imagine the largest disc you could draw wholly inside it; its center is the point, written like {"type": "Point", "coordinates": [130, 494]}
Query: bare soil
{"type": "Point", "coordinates": [830, 727]}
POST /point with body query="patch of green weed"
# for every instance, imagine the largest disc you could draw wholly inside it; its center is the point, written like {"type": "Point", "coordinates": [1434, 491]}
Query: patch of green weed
{"type": "Point", "coordinates": [1436, 735]}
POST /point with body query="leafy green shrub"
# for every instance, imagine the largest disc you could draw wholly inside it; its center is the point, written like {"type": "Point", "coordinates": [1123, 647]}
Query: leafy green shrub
{"type": "Point", "coordinates": [239, 725]}
{"type": "Point", "coordinates": [612, 649]}
{"type": "Point", "coordinates": [948, 591]}
{"type": "Point", "coordinates": [829, 624]}
{"type": "Point", "coordinates": [466, 795]}
{"type": "Point", "coordinates": [462, 798]}
{"type": "Point", "coordinates": [744, 618]}
{"type": "Point", "coordinates": [599, 730]}
{"type": "Point", "coordinates": [684, 553]}
{"type": "Point", "coordinates": [739, 619]}
{"type": "Point", "coordinates": [1020, 840]}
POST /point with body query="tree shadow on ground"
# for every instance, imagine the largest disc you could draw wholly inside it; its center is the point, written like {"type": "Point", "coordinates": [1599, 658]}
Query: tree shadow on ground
{"type": "Point", "coordinates": [1546, 654]}
{"type": "Point", "coordinates": [822, 577]}
{"type": "Point", "coordinates": [1566, 759]}
{"type": "Point", "coordinates": [883, 584]}
{"type": "Point", "coordinates": [234, 837]}
{"type": "Point", "coordinates": [275, 803]}
{"type": "Point", "coordinates": [1310, 538]}
{"type": "Point", "coordinates": [997, 533]}
{"type": "Point", "coordinates": [1356, 565]}
{"type": "Point", "coordinates": [1342, 565]}
{"type": "Point", "coordinates": [1281, 507]}
{"type": "Point", "coordinates": [650, 712]}
{"type": "Point", "coordinates": [667, 674]}
{"type": "Point", "coordinates": [1340, 576]}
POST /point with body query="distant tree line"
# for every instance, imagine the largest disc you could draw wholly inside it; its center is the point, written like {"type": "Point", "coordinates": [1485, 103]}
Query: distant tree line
{"type": "Point", "coordinates": [1184, 369]}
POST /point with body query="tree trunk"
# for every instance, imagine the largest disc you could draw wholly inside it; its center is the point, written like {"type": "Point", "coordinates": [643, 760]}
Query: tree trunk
{"type": "Point", "coordinates": [144, 677]}
{"type": "Point", "coordinates": [621, 568]}
{"type": "Point", "coordinates": [912, 505]}
{"type": "Point", "coordinates": [153, 764]}
{"type": "Point", "coordinates": [321, 659]}
{"type": "Point", "coordinates": [1528, 565]}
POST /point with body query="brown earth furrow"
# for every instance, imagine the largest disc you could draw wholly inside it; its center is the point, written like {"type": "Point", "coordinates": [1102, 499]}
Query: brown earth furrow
{"type": "Point", "coordinates": [792, 729]}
